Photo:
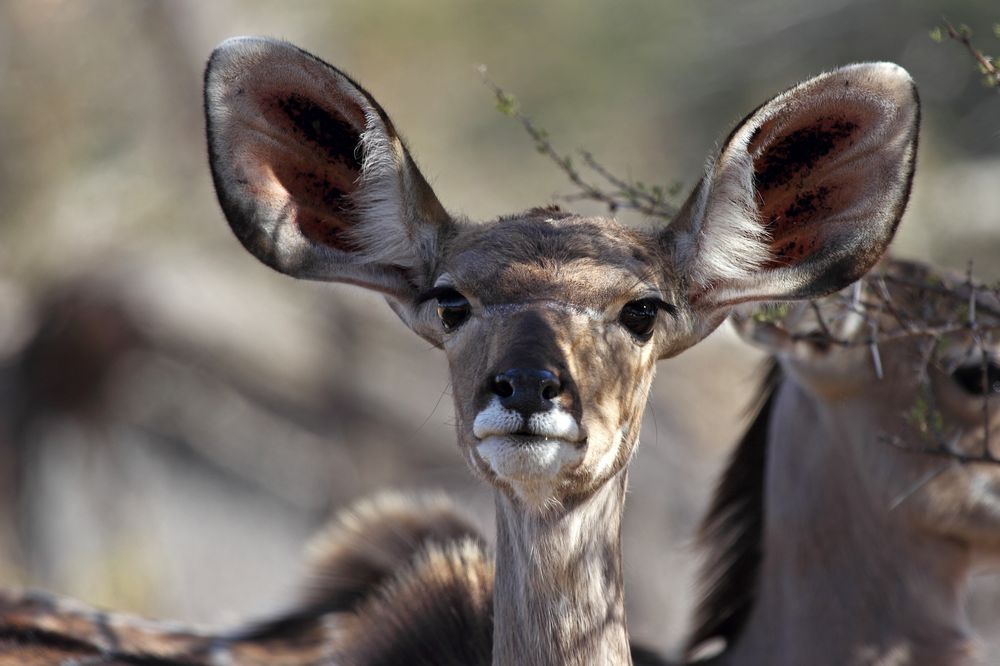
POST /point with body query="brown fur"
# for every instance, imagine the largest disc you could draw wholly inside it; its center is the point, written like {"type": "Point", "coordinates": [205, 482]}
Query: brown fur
{"type": "Point", "coordinates": [445, 594]}
{"type": "Point", "coordinates": [363, 548]}
{"type": "Point", "coordinates": [732, 531]}
{"type": "Point", "coordinates": [315, 182]}
{"type": "Point", "coordinates": [35, 629]}
{"type": "Point", "coordinates": [863, 548]}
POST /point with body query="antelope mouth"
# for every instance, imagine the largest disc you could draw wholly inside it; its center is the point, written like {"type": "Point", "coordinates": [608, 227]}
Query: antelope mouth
{"type": "Point", "coordinates": [529, 457]}
{"type": "Point", "coordinates": [528, 448]}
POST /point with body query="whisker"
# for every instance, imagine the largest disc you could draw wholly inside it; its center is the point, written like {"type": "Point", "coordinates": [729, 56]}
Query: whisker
{"type": "Point", "coordinates": [434, 409]}
{"type": "Point", "coordinates": [923, 481]}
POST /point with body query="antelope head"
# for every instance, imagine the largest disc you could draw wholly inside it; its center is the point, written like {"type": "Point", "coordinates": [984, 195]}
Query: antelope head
{"type": "Point", "coordinates": [911, 390]}
{"type": "Point", "coordinates": [551, 322]}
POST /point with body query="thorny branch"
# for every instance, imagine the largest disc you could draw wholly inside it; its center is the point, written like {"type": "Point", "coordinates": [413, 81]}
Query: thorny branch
{"type": "Point", "coordinates": [616, 193]}
{"type": "Point", "coordinates": [963, 35]}
{"type": "Point", "coordinates": [968, 309]}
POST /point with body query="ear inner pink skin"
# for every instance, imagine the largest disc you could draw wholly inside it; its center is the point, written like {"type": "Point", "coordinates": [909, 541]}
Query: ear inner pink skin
{"type": "Point", "coordinates": [794, 198]}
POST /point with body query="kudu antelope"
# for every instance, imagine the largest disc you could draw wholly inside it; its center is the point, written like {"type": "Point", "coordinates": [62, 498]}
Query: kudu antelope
{"type": "Point", "coordinates": [551, 322]}
{"type": "Point", "coordinates": [841, 532]}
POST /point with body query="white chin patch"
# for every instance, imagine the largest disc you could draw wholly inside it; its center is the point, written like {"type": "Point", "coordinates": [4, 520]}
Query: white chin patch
{"type": "Point", "coordinates": [497, 420]}
{"type": "Point", "coordinates": [528, 453]}
{"type": "Point", "coordinates": [528, 459]}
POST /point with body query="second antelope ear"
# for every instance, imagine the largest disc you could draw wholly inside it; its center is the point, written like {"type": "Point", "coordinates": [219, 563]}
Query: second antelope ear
{"type": "Point", "coordinates": [806, 193]}
{"type": "Point", "coordinates": [311, 174]}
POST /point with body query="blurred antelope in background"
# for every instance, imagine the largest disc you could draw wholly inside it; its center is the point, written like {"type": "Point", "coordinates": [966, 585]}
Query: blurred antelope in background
{"type": "Point", "coordinates": [551, 322]}
{"type": "Point", "coordinates": [864, 495]}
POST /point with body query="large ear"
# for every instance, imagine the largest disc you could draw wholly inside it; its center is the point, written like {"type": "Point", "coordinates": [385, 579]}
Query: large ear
{"type": "Point", "coordinates": [806, 193]}
{"type": "Point", "coordinates": [311, 174]}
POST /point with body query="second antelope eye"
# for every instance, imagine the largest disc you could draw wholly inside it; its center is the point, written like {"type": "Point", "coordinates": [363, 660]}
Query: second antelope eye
{"type": "Point", "coordinates": [977, 379]}
{"type": "Point", "coordinates": [452, 308]}
{"type": "Point", "coordinates": [639, 317]}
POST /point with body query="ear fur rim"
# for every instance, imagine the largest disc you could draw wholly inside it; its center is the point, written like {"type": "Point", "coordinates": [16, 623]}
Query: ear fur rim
{"type": "Point", "coordinates": [724, 246]}
{"type": "Point", "coordinates": [392, 238]}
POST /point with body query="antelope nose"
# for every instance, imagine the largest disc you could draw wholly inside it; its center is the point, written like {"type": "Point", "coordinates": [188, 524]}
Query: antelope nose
{"type": "Point", "coordinates": [527, 391]}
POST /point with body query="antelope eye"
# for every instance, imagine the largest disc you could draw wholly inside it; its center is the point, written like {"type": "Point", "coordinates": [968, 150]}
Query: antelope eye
{"type": "Point", "coordinates": [978, 379]}
{"type": "Point", "coordinates": [639, 317]}
{"type": "Point", "coordinates": [452, 309]}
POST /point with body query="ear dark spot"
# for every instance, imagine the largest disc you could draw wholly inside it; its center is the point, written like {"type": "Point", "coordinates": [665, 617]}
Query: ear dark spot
{"type": "Point", "coordinates": [807, 205]}
{"type": "Point", "coordinates": [321, 194]}
{"type": "Point", "coordinates": [320, 178]}
{"type": "Point", "coordinates": [800, 151]}
{"type": "Point", "coordinates": [326, 230]}
{"type": "Point", "coordinates": [316, 125]}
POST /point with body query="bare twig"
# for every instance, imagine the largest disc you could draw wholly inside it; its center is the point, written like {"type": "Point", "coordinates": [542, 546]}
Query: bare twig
{"type": "Point", "coordinates": [941, 451]}
{"type": "Point", "coordinates": [920, 483]}
{"type": "Point", "coordinates": [941, 290]}
{"type": "Point", "coordinates": [987, 389]}
{"type": "Point", "coordinates": [876, 355]}
{"type": "Point", "coordinates": [652, 201]}
{"type": "Point", "coordinates": [930, 309]}
{"type": "Point", "coordinates": [986, 63]}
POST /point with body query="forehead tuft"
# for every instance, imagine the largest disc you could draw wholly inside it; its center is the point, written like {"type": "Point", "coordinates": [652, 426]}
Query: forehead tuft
{"type": "Point", "coordinates": [546, 253]}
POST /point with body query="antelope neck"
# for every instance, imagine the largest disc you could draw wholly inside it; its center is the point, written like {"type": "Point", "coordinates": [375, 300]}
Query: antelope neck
{"type": "Point", "coordinates": [842, 581]}
{"type": "Point", "coordinates": [559, 590]}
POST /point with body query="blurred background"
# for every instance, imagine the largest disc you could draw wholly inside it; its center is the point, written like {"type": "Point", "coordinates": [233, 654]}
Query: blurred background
{"type": "Point", "coordinates": [176, 420]}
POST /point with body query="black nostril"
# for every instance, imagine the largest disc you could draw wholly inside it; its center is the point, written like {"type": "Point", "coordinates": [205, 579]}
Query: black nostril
{"type": "Point", "coordinates": [550, 388]}
{"type": "Point", "coordinates": [526, 390]}
{"type": "Point", "coordinates": [503, 386]}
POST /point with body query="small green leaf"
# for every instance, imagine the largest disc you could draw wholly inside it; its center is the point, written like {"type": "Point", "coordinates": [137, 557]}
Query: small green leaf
{"type": "Point", "coordinates": [506, 104]}
{"type": "Point", "coordinates": [943, 344]}
{"type": "Point", "coordinates": [771, 313]}
{"type": "Point", "coordinates": [937, 421]}
{"type": "Point", "coordinates": [996, 30]}
{"type": "Point", "coordinates": [918, 414]}
{"type": "Point", "coordinates": [936, 35]}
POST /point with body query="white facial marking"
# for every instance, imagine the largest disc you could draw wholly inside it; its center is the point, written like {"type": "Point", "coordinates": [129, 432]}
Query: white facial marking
{"type": "Point", "coordinates": [608, 458]}
{"type": "Point", "coordinates": [504, 309]}
{"type": "Point", "coordinates": [556, 423]}
{"type": "Point", "coordinates": [496, 419]}
{"type": "Point", "coordinates": [984, 493]}
{"type": "Point", "coordinates": [444, 280]}
{"type": "Point", "coordinates": [528, 458]}
{"type": "Point", "coordinates": [531, 453]}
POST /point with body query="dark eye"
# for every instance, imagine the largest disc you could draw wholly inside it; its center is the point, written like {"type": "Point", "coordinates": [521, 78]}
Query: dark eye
{"type": "Point", "coordinates": [452, 308]}
{"type": "Point", "coordinates": [639, 317]}
{"type": "Point", "coordinates": [977, 379]}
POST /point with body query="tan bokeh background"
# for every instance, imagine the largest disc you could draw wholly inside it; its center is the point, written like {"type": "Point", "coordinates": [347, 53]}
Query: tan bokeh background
{"type": "Point", "coordinates": [176, 420]}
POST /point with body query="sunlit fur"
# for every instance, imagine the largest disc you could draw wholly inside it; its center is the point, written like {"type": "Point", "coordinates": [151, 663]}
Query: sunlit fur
{"type": "Point", "coordinates": [394, 579]}
{"type": "Point", "coordinates": [858, 549]}
{"type": "Point", "coordinates": [789, 208]}
{"type": "Point", "coordinates": [315, 182]}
